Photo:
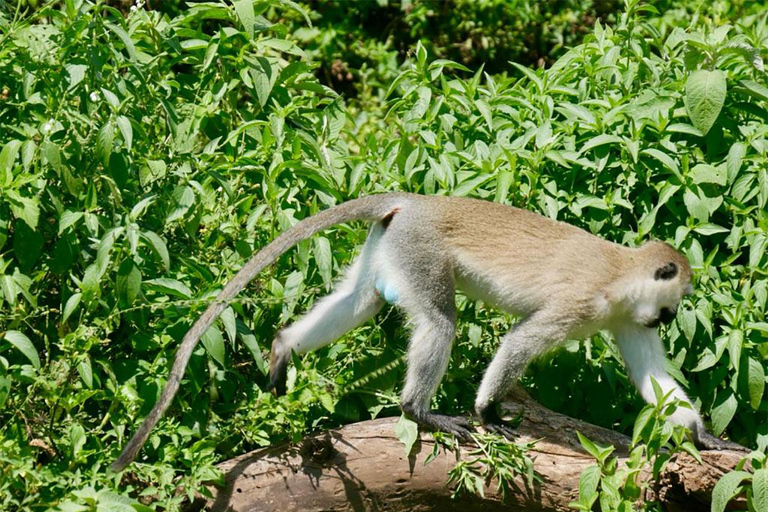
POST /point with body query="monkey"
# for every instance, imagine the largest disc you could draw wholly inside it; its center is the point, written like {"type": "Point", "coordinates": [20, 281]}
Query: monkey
{"type": "Point", "coordinates": [559, 280]}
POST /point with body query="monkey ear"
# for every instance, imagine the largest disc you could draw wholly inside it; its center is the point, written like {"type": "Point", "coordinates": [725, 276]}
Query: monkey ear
{"type": "Point", "coordinates": [666, 272]}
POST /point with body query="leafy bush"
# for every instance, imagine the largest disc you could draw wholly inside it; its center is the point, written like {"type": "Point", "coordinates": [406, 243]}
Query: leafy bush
{"type": "Point", "coordinates": [144, 158]}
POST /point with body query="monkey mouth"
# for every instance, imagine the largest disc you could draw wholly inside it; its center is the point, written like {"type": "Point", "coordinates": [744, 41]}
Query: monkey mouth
{"type": "Point", "coordinates": [666, 315]}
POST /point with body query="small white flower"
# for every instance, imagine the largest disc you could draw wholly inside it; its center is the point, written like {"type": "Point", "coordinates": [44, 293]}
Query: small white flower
{"type": "Point", "coordinates": [133, 8]}
{"type": "Point", "coordinates": [94, 96]}
{"type": "Point", "coordinates": [47, 127]}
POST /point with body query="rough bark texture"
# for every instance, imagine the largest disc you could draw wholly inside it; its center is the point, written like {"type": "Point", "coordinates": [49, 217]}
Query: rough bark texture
{"type": "Point", "coordinates": [363, 467]}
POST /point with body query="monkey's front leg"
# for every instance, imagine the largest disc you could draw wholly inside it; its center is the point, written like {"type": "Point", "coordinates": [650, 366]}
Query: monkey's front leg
{"type": "Point", "coordinates": [645, 358]}
{"type": "Point", "coordinates": [529, 338]}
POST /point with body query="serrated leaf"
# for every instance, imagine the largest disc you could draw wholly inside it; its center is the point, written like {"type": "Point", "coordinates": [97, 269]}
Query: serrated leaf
{"type": "Point", "coordinates": [128, 282]}
{"type": "Point", "coordinates": [158, 245]}
{"type": "Point", "coordinates": [726, 488]}
{"type": "Point", "coordinates": [169, 287]}
{"type": "Point", "coordinates": [126, 130]}
{"type": "Point", "coordinates": [760, 490]}
{"type": "Point", "coordinates": [588, 482]}
{"type": "Point", "coordinates": [71, 306]}
{"type": "Point", "coordinates": [125, 38]}
{"type": "Point", "coordinates": [5, 390]}
{"type": "Point", "coordinates": [104, 141]}
{"type": "Point", "coordinates": [230, 323]}
{"type": "Point", "coordinates": [213, 342]}
{"type": "Point", "coordinates": [24, 208]}
{"type": "Point", "coordinates": [85, 370]}
{"type": "Point", "coordinates": [324, 260]}
{"type": "Point", "coordinates": [755, 382]}
{"type": "Point", "coordinates": [735, 158]}
{"type": "Point", "coordinates": [600, 140]}
{"type": "Point", "coordinates": [705, 92]}
{"type": "Point", "coordinates": [24, 345]}
{"type": "Point", "coordinates": [249, 340]}
{"type": "Point", "coordinates": [183, 199]}
{"type": "Point", "coordinates": [757, 250]}
{"type": "Point", "coordinates": [7, 159]}
{"type": "Point", "coordinates": [722, 414]}
{"type": "Point", "coordinates": [665, 160]}
{"type": "Point", "coordinates": [67, 219]}
{"type": "Point", "coordinates": [755, 89]}
{"type": "Point", "coordinates": [407, 431]}
{"type": "Point", "coordinates": [244, 10]}
{"type": "Point", "coordinates": [710, 229]}
{"type": "Point", "coordinates": [704, 173]}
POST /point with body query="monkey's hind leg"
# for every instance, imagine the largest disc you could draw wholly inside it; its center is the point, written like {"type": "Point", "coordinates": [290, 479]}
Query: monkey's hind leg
{"type": "Point", "coordinates": [527, 340]}
{"type": "Point", "coordinates": [354, 301]}
{"type": "Point", "coordinates": [427, 296]}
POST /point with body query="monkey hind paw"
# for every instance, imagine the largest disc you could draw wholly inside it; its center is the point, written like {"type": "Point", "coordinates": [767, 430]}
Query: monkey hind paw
{"type": "Point", "coordinates": [460, 427]}
{"type": "Point", "coordinates": [707, 441]}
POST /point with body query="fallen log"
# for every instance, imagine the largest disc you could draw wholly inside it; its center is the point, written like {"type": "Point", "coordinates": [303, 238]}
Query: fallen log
{"type": "Point", "coordinates": [363, 467]}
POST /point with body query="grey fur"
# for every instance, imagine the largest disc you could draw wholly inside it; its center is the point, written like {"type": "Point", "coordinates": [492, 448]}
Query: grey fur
{"type": "Point", "coordinates": [562, 281]}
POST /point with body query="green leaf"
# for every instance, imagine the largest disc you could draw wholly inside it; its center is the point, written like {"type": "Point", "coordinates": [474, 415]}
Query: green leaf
{"type": "Point", "coordinates": [7, 159]}
{"type": "Point", "coordinates": [600, 140]}
{"type": "Point", "coordinates": [704, 97]}
{"type": "Point", "coordinates": [24, 208]}
{"type": "Point", "coordinates": [230, 323]}
{"type": "Point", "coordinates": [665, 160]}
{"type": "Point", "coordinates": [588, 445]}
{"type": "Point", "coordinates": [755, 89]}
{"type": "Point", "coordinates": [5, 390]}
{"type": "Point", "coordinates": [723, 412]}
{"type": "Point", "coordinates": [735, 158]}
{"type": "Point", "coordinates": [126, 131]}
{"type": "Point", "coordinates": [641, 423]}
{"type": "Point", "coordinates": [169, 287]}
{"type": "Point", "coordinates": [756, 383]}
{"type": "Point", "coordinates": [128, 282]}
{"type": "Point", "coordinates": [760, 490]}
{"type": "Point", "coordinates": [85, 370]}
{"type": "Point", "coordinates": [324, 259]}
{"type": "Point", "coordinates": [407, 431]}
{"type": "Point", "coordinates": [21, 342]}
{"type": "Point", "coordinates": [67, 219]}
{"type": "Point", "coordinates": [125, 38]}
{"type": "Point", "coordinates": [588, 482]}
{"type": "Point", "coordinates": [726, 488]}
{"type": "Point", "coordinates": [757, 250]}
{"type": "Point", "coordinates": [183, 199]}
{"type": "Point", "coordinates": [704, 173]}
{"type": "Point", "coordinates": [213, 342]}
{"type": "Point", "coordinates": [158, 245]}
{"type": "Point", "coordinates": [104, 142]}
{"type": "Point", "coordinates": [71, 306]}
{"type": "Point", "coordinates": [244, 10]}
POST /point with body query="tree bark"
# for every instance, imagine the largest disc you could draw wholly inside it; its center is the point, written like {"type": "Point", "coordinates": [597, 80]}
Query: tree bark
{"type": "Point", "coordinates": [363, 467]}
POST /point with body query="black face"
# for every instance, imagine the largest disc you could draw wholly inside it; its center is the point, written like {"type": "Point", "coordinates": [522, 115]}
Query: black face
{"type": "Point", "coordinates": [666, 315]}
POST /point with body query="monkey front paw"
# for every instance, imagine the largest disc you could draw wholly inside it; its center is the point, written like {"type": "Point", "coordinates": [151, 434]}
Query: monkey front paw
{"type": "Point", "coordinates": [706, 441]}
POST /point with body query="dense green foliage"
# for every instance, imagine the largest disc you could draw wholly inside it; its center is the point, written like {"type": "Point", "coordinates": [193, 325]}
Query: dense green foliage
{"type": "Point", "coordinates": [145, 157]}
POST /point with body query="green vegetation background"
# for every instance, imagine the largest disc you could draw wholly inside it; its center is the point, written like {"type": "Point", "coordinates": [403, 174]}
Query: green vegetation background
{"type": "Point", "coordinates": [147, 153]}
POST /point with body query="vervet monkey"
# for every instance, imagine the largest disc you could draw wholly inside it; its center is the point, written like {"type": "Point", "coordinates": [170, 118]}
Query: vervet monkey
{"type": "Point", "coordinates": [561, 281]}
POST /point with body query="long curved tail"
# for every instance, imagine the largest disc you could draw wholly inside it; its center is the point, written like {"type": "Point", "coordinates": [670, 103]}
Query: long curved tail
{"type": "Point", "coordinates": [370, 208]}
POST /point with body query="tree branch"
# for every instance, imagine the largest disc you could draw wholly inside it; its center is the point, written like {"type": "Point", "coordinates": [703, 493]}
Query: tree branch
{"type": "Point", "coordinates": [363, 466]}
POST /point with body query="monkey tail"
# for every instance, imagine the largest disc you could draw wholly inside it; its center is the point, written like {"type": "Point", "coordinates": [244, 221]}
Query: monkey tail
{"type": "Point", "coordinates": [370, 208]}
